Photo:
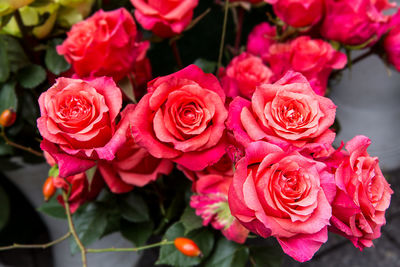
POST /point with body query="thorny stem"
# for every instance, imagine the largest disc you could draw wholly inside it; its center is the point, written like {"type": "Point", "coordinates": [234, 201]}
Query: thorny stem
{"type": "Point", "coordinates": [72, 229]}
{"type": "Point", "coordinates": [11, 143]}
{"type": "Point", "coordinates": [43, 246]}
{"type": "Point", "coordinates": [221, 47]}
{"type": "Point", "coordinates": [99, 250]}
{"type": "Point", "coordinates": [177, 56]}
{"type": "Point", "coordinates": [239, 28]}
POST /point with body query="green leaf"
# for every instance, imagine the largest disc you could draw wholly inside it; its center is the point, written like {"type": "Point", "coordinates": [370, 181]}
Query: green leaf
{"type": "Point", "coordinates": [54, 62]}
{"type": "Point", "coordinates": [4, 67]}
{"type": "Point", "coordinates": [133, 208]}
{"type": "Point", "coordinates": [171, 256]}
{"type": "Point", "coordinates": [266, 256]}
{"type": "Point", "coordinates": [206, 65]}
{"type": "Point", "coordinates": [5, 20]}
{"type": "Point", "coordinates": [228, 253]}
{"type": "Point", "coordinates": [8, 97]}
{"type": "Point", "coordinates": [17, 58]}
{"type": "Point", "coordinates": [31, 76]}
{"type": "Point", "coordinates": [53, 172]}
{"type": "Point", "coordinates": [137, 233]}
{"type": "Point", "coordinates": [90, 225]}
{"type": "Point", "coordinates": [30, 112]}
{"type": "Point", "coordinates": [90, 175]}
{"type": "Point", "coordinates": [190, 220]}
{"type": "Point", "coordinates": [127, 88]}
{"type": "Point", "coordinates": [5, 208]}
{"type": "Point", "coordinates": [53, 208]}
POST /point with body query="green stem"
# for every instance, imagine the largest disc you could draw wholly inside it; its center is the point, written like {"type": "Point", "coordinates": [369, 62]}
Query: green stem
{"type": "Point", "coordinates": [11, 143]}
{"type": "Point", "coordinates": [72, 229]}
{"type": "Point", "coordinates": [99, 250]}
{"type": "Point", "coordinates": [43, 246]}
{"type": "Point", "coordinates": [221, 47]}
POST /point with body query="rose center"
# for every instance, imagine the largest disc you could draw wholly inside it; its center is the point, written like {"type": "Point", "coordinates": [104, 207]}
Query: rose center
{"type": "Point", "coordinates": [291, 115]}
{"type": "Point", "coordinates": [74, 108]}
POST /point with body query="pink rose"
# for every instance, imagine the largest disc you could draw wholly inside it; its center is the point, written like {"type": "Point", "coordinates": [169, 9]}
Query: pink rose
{"type": "Point", "coordinates": [243, 74]}
{"type": "Point", "coordinates": [314, 58]}
{"type": "Point", "coordinates": [260, 39]}
{"type": "Point", "coordinates": [164, 18]}
{"type": "Point", "coordinates": [182, 118]}
{"type": "Point", "coordinates": [359, 20]}
{"type": "Point", "coordinates": [358, 211]}
{"type": "Point", "coordinates": [298, 13]}
{"type": "Point", "coordinates": [285, 195]}
{"type": "Point", "coordinates": [211, 203]}
{"type": "Point", "coordinates": [104, 45]}
{"type": "Point", "coordinates": [133, 165]}
{"type": "Point", "coordinates": [78, 122]}
{"type": "Point", "coordinates": [391, 43]}
{"type": "Point", "coordinates": [287, 113]}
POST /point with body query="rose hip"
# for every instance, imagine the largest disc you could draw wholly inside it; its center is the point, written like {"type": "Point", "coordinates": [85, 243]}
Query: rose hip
{"type": "Point", "coordinates": [48, 188]}
{"type": "Point", "coordinates": [187, 247]}
{"type": "Point", "coordinates": [7, 117]}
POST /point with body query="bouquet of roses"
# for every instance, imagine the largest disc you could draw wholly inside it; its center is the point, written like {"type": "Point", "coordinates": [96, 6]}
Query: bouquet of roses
{"type": "Point", "coordinates": [148, 134]}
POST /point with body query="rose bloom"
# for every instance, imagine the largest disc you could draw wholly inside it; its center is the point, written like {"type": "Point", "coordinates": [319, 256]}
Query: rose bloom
{"type": "Point", "coordinates": [359, 20]}
{"type": "Point", "coordinates": [260, 39]}
{"type": "Point", "coordinates": [285, 195]}
{"type": "Point", "coordinates": [243, 74]}
{"type": "Point", "coordinates": [391, 43]}
{"type": "Point", "coordinates": [104, 45]}
{"type": "Point", "coordinates": [287, 113]}
{"type": "Point", "coordinates": [314, 58]}
{"type": "Point", "coordinates": [133, 165]}
{"type": "Point", "coordinates": [211, 203]}
{"type": "Point", "coordinates": [78, 122]}
{"type": "Point", "coordinates": [358, 211]}
{"type": "Point", "coordinates": [298, 13]}
{"type": "Point", "coordinates": [182, 118]}
{"type": "Point", "coordinates": [164, 18]}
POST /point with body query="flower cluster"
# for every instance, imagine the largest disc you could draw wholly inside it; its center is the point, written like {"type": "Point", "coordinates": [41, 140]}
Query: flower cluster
{"type": "Point", "coordinates": [255, 140]}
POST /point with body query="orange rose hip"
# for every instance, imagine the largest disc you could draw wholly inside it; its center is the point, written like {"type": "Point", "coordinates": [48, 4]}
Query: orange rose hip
{"type": "Point", "coordinates": [187, 247]}
{"type": "Point", "coordinates": [48, 188]}
{"type": "Point", "coordinates": [7, 117]}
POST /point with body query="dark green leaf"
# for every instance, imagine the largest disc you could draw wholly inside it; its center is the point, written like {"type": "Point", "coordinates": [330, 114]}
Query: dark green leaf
{"type": "Point", "coordinates": [5, 208]}
{"type": "Point", "coordinates": [190, 220]}
{"type": "Point", "coordinates": [8, 97]}
{"type": "Point", "coordinates": [31, 76]}
{"type": "Point", "coordinates": [4, 67]}
{"type": "Point", "coordinates": [133, 208]}
{"type": "Point", "coordinates": [54, 62]}
{"type": "Point", "coordinates": [17, 58]}
{"type": "Point", "coordinates": [228, 253]}
{"type": "Point", "coordinates": [266, 256]}
{"type": "Point", "coordinates": [90, 225]}
{"type": "Point", "coordinates": [206, 65]}
{"type": "Point", "coordinates": [137, 233]}
{"type": "Point", "coordinates": [171, 256]}
{"type": "Point", "coordinates": [30, 112]}
{"type": "Point", "coordinates": [53, 208]}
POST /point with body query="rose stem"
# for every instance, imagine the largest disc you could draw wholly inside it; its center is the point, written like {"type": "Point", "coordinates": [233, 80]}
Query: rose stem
{"type": "Point", "coordinates": [11, 143]}
{"type": "Point", "coordinates": [177, 56]}
{"type": "Point", "coordinates": [98, 250]}
{"type": "Point", "coordinates": [239, 29]}
{"type": "Point", "coordinates": [221, 47]}
{"type": "Point", "coordinates": [43, 246]}
{"type": "Point", "coordinates": [72, 228]}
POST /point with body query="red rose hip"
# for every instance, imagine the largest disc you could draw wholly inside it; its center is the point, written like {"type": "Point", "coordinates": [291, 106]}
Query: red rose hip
{"type": "Point", "coordinates": [7, 117]}
{"type": "Point", "coordinates": [48, 188]}
{"type": "Point", "coordinates": [187, 247]}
